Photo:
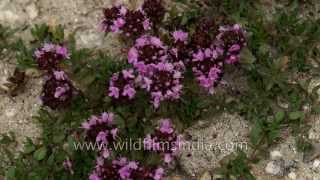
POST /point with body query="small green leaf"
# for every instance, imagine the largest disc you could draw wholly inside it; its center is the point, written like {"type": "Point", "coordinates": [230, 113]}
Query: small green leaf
{"type": "Point", "coordinates": [280, 116]}
{"type": "Point", "coordinates": [40, 154]}
{"type": "Point", "coordinates": [247, 57]}
{"type": "Point", "coordinates": [29, 147]}
{"type": "Point", "coordinates": [58, 138]}
{"type": "Point", "coordinates": [256, 134]}
{"type": "Point", "coordinates": [296, 115]}
{"type": "Point", "coordinates": [11, 173]}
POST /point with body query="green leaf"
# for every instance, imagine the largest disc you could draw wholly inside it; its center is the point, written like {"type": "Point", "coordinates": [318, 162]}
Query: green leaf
{"type": "Point", "coordinates": [280, 116]}
{"type": "Point", "coordinates": [58, 138]}
{"type": "Point", "coordinates": [40, 154]}
{"type": "Point", "coordinates": [247, 57]}
{"type": "Point", "coordinates": [256, 134]}
{"type": "Point", "coordinates": [11, 173]}
{"type": "Point", "coordinates": [29, 148]}
{"type": "Point", "coordinates": [296, 115]}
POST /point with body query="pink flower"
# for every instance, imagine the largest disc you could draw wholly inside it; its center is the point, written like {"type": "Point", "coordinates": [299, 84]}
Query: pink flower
{"type": "Point", "coordinates": [59, 75]}
{"type": "Point", "coordinates": [180, 36]}
{"type": "Point", "coordinates": [129, 91]}
{"type": "Point", "coordinates": [94, 176]}
{"type": "Point", "coordinates": [167, 158]}
{"type": "Point", "coordinates": [199, 56]}
{"type": "Point", "coordinates": [158, 174]}
{"type": "Point", "coordinates": [114, 92]}
{"type": "Point", "coordinates": [235, 47]}
{"type": "Point", "coordinates": [133, 55]}
{"type": "Point", "coordinates": [63, 51]}
{"type": "Point", "coordinates": [166, 126]}
{"type": "Point", "coordinates": [156, 41]}
{"type": "Point", "coordinates": [146, 24]}
{"type": "Point", "coordinates": [59, 92]}
{"type": "Point", "coordinates": [122, 85]}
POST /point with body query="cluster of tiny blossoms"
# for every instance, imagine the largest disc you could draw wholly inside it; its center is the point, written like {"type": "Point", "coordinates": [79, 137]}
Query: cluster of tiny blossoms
{"type": "Point", "coordinates": [211, 53]}
{"type": "Point", "coordinates": [159, 67]}
{"type": "Point", "coordinates": [123, 169]}
{"type": "Point", "coordinates": [233, 40]}
{"type": "Point", "coordinates": [101, 130]}
{"type": "Point", "coordinates": [122, 85]}
{"type": "Point", "coordinates": [58, 90]}
{"type": "Point", "coordinates": [155, 74]}
{"type": "Point", "coordinates": [50, 55]}
{"type": "Point", "coordinates": [164, 141]}
{"type": "Point", "coordinates": [120, 19]}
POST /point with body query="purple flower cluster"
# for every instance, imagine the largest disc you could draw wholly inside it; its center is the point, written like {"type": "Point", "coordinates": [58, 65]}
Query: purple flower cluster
{"type": "Point", "coordinates": [50, 55]}
{"type": "Point", "coordinates": [160, 78]}
{"type": "Point", "coordinates": [209, 57]}
{"type": "Point", "coordinates": [67, 164]}
{"type": "Point", "coordinates": [122, 85]}
{"type": "Point", "coordinates": [130, 23]}
{"type": "Point", "coordinates": [123, 169]}
{"type": "Point", "coordinates": [207, 66]}
{"type": "Point", "coordinates": [147, 50]}
{"type": "Point", "coordinates": [233, 40]}
{"type": "Point", "coordinates": [164, 141]}
{"type": "Point", "coordinates": [157, 76]}
{"type": "Point", "coordinates": [163, 82]}
{"type": "Point", "coordinates": [179, 54]}
{"type": "Point", "coordinates": [154, 9]}
{"type": "Point", "coordinates": [57, 91]}
{"type": "Point", "coordinates": [101, 130]}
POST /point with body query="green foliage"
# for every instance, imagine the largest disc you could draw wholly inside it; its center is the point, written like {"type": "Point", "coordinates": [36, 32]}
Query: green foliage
{"type": "Point", "coordinates": [236, 167]}
{"type": "Point", "coordinates": [277, 51]}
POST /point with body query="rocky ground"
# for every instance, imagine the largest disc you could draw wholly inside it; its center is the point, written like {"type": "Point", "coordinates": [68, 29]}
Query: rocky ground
{"type": "Point", "coordinates": [82, 17]}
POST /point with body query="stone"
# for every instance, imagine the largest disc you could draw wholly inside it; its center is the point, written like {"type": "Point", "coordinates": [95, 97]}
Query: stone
{"type": "Point", "coordinates": [90, 38]}
{"type": "Point", "coordinates": [211, 141]}
{"type": "Point", "coordinates": [205, 176]}
{"type": "Point", "coordinates": [316, 164]}
{"type": "Point", "coordinates": [32, 11]}
{"type": "Point", "coordinates": [274, 168]}
{"type": "Point", "coordinates": [275, 155]}
{"type": "Point", "coordinates": [10, 112]}
{"type": "Point", "coordinates": [292, 176]}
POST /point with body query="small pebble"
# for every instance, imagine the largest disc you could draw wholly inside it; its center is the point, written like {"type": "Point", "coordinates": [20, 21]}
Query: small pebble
{"type": "Point", "coordinates": [292, 175]}
{"type": "Point", "coordinates": [316, 164]}
{"type": "Point", "coordinates": [10, 112]}
{"type": "Point", "coordinates": [273, 168]}
{"type": "Point", "coordinates": [275, 155]}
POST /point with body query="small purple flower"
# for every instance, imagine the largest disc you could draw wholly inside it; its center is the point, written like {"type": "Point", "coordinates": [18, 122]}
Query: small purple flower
{"type": "Point", "coordinates": [123, 169]}
{"type": "Point", "coordinates": [147, 50]}
{"type": "Point", "coordinates": [100, 129]}
{"type": "Point", "coordinates": [122, 85]}
{"type": "Point", "coordinates": [94, 176]}
{"type": "Point", "coordinates": [164, 141]}
{"type": "Point", "coordinates": [233, 39]}
{"type": "Point", "coordinates": [113, 19]}
{"type": "Point", "coordinates": [154, 9]}
{"type": "Point", "coordinates": [163, 82]}
{"type": "Point", "coordinates": [50, 55]}
{"type": "Point", "coordinates": [166, 126]}
{"type": "Point", "coordinates": [57, 91]}
{"type": "Point", "coordinates": [158, 174]}
{"type": "Point", "coordinates": [63, 51]}
{"type": "Point", "coordinates": [207, 66]}
{"type": "Point", "coordinates": [67, 164]}
{"type": "Point", "coordinates": [180, 36]}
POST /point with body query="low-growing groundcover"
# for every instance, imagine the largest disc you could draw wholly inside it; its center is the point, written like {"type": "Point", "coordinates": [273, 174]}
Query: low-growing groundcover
{"type": "Point", "coordinates": [173, 62]}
